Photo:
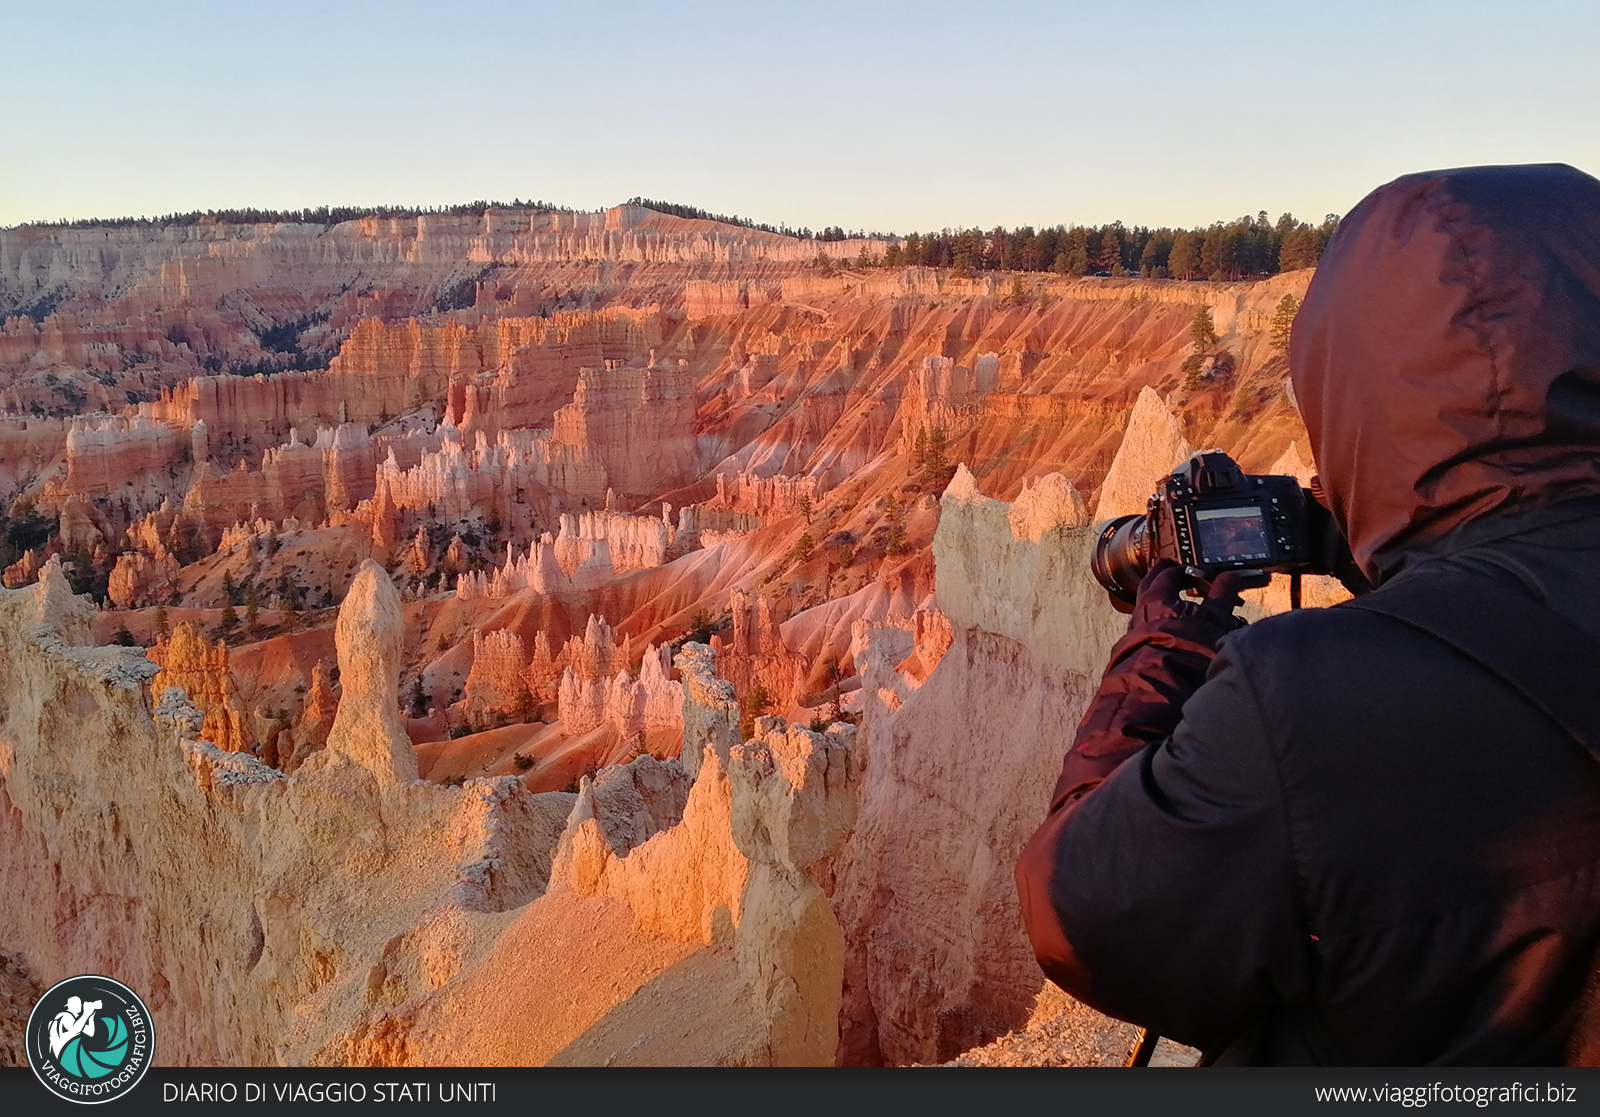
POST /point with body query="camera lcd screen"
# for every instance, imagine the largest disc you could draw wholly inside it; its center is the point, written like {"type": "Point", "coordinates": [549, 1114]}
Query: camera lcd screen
{"type": "Point", "coordinates": [1237, 534]}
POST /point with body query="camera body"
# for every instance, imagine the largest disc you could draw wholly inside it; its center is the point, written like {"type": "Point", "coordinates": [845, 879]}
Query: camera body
{"type": "Point", "coordinates": [1210, 514]}
{"type": "Point", "coordinates": [1213, 515]}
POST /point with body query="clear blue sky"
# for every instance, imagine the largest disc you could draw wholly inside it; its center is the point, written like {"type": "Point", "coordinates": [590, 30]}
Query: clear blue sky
{"type": "Point", "coordinates": [891, 116]}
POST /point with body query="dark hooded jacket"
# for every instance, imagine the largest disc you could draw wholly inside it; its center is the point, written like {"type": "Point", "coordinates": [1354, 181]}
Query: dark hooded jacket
{"type": "Point", "coordinates": [1336, 840]}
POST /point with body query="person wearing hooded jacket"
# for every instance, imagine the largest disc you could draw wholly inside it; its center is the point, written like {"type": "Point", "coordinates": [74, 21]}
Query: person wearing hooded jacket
{"type": "Point", "coordinates": [1329, 838]}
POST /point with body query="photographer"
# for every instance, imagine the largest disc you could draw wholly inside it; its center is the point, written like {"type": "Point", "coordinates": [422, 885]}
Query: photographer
{"type": "Point", "coordinates": [1333, 837]}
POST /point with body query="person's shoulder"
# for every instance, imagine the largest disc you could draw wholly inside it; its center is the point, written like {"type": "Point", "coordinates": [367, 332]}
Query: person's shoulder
{"type": "Point", "coordinates": [1300, 670]}
{"type": "Point", "coordinates": [1307, 629]}
{"type": "Point", "coordinates": [1326, 644]}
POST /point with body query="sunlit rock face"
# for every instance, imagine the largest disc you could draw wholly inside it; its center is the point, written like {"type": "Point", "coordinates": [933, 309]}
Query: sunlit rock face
{"type": "Point", "coordinates": [1152, 446]}
{"type": "Point", "coordinates": [199, 668]}
{"type": "Point", "coordinates": [979, 739]}
{"type": "Point", "coordinates": [367, 727]}
{"type": "Point", "coordinates": [140, 579]}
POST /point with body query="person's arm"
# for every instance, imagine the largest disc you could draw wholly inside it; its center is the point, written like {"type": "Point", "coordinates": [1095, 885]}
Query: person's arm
{"type": "Point", "coordinates": [1160, 889]}
{"type": "Point", "coordinates": [1153, 670]}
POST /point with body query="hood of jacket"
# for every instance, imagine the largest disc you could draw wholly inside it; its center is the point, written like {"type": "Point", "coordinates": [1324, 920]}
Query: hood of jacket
{"type": "Point", "coordinates": [1446, 358]}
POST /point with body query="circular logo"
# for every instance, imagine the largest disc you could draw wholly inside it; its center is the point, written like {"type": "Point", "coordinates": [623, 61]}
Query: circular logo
{"type": "Point", "coordinates": [90, 1039]}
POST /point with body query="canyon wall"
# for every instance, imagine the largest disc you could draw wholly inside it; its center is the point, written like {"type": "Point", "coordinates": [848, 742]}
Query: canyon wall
{"type": "Point", "coordinates": [533, 422]}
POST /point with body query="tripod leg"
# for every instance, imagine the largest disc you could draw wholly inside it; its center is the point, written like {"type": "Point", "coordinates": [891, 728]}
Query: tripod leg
{"type": "Point", "coordinates": [1142, 1050]}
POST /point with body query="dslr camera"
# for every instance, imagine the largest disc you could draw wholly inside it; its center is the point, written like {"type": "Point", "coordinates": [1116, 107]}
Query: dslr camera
{"type": "Point", "coordinates": [1211, 515]}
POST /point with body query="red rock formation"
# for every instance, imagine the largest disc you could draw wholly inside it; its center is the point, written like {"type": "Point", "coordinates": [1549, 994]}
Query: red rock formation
{"type": "Point", "coordinates": [765, 496]}
{"type": "Point", "coordinates": [631, 542]}
{"type": "Point", "coordinates": [28, 448]}
{"type": "Point", "coordinates": [454, 481]}
{"type": "Point", "coordinates": [497, 679]}
{"type": "Point", "coordinates": [756, 655]}
{"type": "Point", "coordinates": [392, 362]}
{"type": "Point", "coordinates": [627, 429]}
{"type": "Point", "coordinates": [943, 396]}
{"type": "Point", "coordinates": [701, 525]}
{"type": "Point", "coordinates": [1031, 629]}
{"type": "Point", "coordinates": [139, 579]}
{"type": "Point", "coordinates": [651, 704]}
{"type": "Point", "coordinates": [544, 671]}
{"type": "Point", "coordinates": [24, 571]}
{"type": "Point", "coordinates": [201, 670]}
{"type": "Point", "coordinates": [531, 380]}
{"type": "Point", "coordinates": [311, 728]}
{"type": "Point", "coordinates": [931, 637]}
{"type": "Point", "coordinates": [385, 518]}
{"type": "Point", "coordinates": [82, 525]}
{"type": "Point", "coordinates": [595, 654]}
{"type": "Point", "coordinates": [418, 556]}
{"type": "Point", "coordinates": [122, 458]}
{"type": "Point", "coordinates": [455, 554]}
{"type": "Point", "coordinates": [307, 483]}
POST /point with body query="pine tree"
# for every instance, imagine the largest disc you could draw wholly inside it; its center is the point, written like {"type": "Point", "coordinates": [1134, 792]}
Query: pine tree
{"type": "Point", "coordinates": [227, 623]}
{"type": "Point", "coordinates": [1282, 320]}
{"type": "Point", "coordinates": [1184, 259]}
{"type": "Point", "coordinates": [803, 547]}
{"type": "Point", "coordinates": [252, 610]}
{"type": "Point", "coordinates": [1076, 252]}
{"type": "Point", "coordinates": [1202, 330]}
{"type": "Point", "coordinates": [1217, 253]}
{"type": "Point", "coordinates": [896, 541]}
{"type": "Point", "coordinates": [933, 460]}
{"type": "Point", "coordinates": [162, 628]}
{"type": "Point", "coordinates": [1152, 258]}
{"type": "Point", "coordinates": [895, 538]}
{"type": "Point", "coordinates": [1109, 255]}
{"type": "Point", "coordinates": [228, 587]}
{"type": "Point", "coordinates": [1302, 246]}
{"type": "Point", "coordinates": [700, 627]}
{"type": "Point", "coordinates": [756, 703]}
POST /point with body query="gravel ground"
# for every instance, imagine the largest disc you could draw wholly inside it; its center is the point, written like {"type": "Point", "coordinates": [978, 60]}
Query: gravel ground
{"type": "Point", "coordinates": [1064, 1033]}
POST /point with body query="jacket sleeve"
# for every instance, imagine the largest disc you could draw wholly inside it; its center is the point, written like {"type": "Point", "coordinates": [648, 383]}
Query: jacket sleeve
{"type": "Point", "coordinates": [1161, 888]}
{"type": "Point", "coordinates": [1153, 670]}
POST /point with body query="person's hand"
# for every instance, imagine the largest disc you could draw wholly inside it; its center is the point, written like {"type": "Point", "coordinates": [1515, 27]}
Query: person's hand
{"type": "Point", "coordinates": [1160, 602]}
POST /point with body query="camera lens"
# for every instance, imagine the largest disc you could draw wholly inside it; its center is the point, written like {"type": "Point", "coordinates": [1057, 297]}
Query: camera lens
{"type": "Point", "coordinates": [1121, 558]}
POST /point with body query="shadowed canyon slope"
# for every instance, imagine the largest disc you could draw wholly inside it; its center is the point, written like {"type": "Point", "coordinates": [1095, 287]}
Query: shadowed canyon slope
{"type": "Point", "coordinates": [674, 620]}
